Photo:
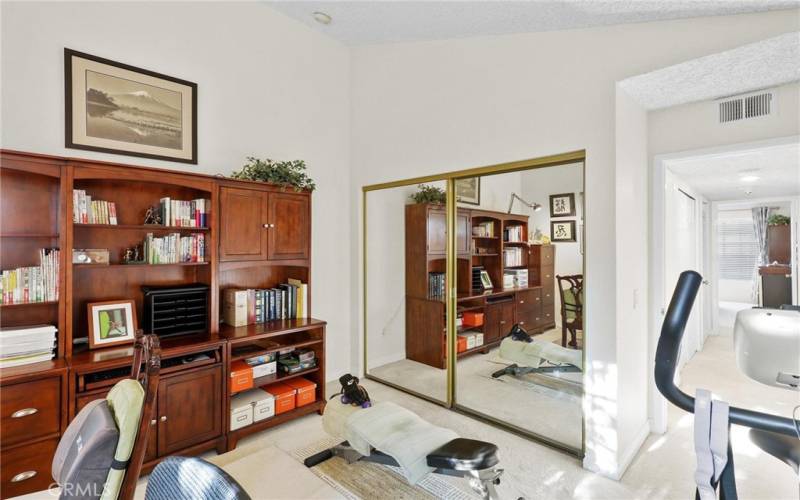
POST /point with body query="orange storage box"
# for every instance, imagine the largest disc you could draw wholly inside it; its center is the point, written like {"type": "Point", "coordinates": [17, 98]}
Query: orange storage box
{"type": "Point", "coordinates": [306, 390]}
{"type": "Point", "coordinates": [461, 344]}
{"type": "Point", "coordinates": [241, 376]}
{"type": "Point", "coordinates": [284, 396]}
{"type": "Point", "coordinates": [470, 318]}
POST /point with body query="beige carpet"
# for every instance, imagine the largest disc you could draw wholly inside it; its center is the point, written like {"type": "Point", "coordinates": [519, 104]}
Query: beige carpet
{"type": "Point", "coordinates": [548, 405]}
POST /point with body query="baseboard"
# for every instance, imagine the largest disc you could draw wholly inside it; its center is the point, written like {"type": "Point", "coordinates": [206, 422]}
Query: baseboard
{"type": "Point", "coordinates": [627, 456]}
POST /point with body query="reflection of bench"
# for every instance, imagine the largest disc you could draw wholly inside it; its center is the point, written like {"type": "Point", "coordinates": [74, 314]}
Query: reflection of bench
{"type": "Point", "coordinates": [537, 356]}
{"type": "Point", "coordinates": [388, 434]}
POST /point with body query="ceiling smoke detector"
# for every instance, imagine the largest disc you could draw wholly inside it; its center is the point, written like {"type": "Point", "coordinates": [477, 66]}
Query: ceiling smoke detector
{"type": "Point", "coordinates": [322, 17]}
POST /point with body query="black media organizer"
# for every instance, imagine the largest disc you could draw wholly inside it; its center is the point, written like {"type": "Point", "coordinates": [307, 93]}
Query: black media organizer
{"type": "Point", "coordinates": [175, 310]}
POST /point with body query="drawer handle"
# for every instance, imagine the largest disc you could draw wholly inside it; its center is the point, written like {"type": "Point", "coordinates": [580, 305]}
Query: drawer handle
{"type": "Point", "coordinates": [521, 301]}
{"type": "Point", "coordinates": [24, 413]}
{"type": "Point", "coordinates": [22, 476]}
{"type": "Point", "coordinates": [502, 322]}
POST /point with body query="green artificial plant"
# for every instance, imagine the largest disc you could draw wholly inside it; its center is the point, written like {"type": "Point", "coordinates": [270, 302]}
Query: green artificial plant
{"type": "Point", "coordinates": [778, 220]}
{"type": "Point", "coordinates": [285, 173]}
{"type": "Point", "coordinates": [429, 194]}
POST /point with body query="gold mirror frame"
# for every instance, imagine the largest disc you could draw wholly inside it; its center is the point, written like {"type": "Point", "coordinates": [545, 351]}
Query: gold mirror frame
{"type": "Point", "coordinates": [450, 278]}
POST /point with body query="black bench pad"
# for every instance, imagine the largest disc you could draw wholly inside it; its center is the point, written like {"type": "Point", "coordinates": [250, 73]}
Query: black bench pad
{"type": "Point", "coordinates": [464, 454]}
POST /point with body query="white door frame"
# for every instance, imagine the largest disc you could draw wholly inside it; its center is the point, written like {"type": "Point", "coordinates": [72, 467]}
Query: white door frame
{"type": "Point", "coordinates": [658, 301]}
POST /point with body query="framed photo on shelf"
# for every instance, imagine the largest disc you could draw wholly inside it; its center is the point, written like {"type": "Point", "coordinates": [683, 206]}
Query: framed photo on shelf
{"type": "Point", "coordinates": [112, 107]}
{"type": "Point", "coordinates": [562, 231]}
{"type": "Point", "coordinates": [562, 205]}
{"type": "Point", "coordinates": [468, 191]}
{"type": "Point", "coordinates": [111, 323]}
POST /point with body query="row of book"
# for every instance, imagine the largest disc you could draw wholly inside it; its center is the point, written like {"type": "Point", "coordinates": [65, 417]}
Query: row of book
{"type": "Point", "coordinates": [513, 257]}
{"type": "Point", "coordinates": [174, 248]}
{"type": "Point", "coordinates": [513, 234]}
{"type": "Point", "coordinates": [185, 213]}
{"type": "Point", "coordinates": [251, 306]}
{"type": "Point", "coordinates": [32, 284]}
{"type": "Point", "coordinates": [436, 288]}
{"type": "Point", "coordinates": [26, 345]}
{"type": "Point", "coordinates": [484, 229]}
{"type": "Point", "coordinates": [85, 210]}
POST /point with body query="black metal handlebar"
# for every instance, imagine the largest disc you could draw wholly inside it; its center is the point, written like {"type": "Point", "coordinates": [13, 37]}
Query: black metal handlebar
{"type": "Point", "coordinates": [667, 359]}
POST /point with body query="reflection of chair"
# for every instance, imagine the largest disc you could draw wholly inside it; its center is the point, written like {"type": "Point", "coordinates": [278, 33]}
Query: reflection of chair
{"type": "Point", "coordinates": [185, 478]}
{"type": "Point", "coordinates": [570, 288]}
{"type": "Point", "coordinates": [102, 450]}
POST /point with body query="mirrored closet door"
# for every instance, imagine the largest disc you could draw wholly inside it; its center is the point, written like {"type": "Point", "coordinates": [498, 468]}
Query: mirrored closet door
{"type": "Point", "coordinates": [519, 320]}
{"type": "Point", "coordinates": [405, 315]}
{"type": "Point", "coordinates": [513, 352]}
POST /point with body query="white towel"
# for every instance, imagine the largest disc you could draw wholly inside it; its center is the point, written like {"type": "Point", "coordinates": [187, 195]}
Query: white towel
{"type": "Point", "coordinates": [390, 428]}
{"type": "Point", "coordinates": [535, 353]}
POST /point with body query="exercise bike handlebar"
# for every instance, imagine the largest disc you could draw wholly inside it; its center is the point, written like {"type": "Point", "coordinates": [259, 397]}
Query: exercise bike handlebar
{"type": "Point", "coordinates": [668, 350]}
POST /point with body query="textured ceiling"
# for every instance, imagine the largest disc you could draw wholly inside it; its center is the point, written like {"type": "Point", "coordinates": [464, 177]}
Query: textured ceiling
{"type": "Point", "coordinates": [718, 177]}
{"type": "Point", "coordinates": [768, 63]}
{"type": "Point", "coordinates": [368, 22]}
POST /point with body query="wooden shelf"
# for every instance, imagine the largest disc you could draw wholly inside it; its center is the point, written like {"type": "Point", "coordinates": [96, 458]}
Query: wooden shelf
{"type": "Point", "coordinates": [485, 237]}
{"type": "Point", "coordinates": [483, 347]}
{"type": "Point", "coordinates": [28, 235]}
{"type": "Point", "coordinates": [149, 227]}
{"type": "Point", "coordinates": [105, 266]}
{"type": "Point", "coordinates": [271, 379]}
{"type": "Point", "coordinates": [485, 254]}
{"type": "Point", "coordinates": [278, 419]}
{"type": "Point", "coordinates": [523, 243]}
{"type": "Point", "coordinates": [268, 329]}
{"type": "Point", "coordinates": [281, 347]}
{"type": "Point", "coordinates": [19, 304]}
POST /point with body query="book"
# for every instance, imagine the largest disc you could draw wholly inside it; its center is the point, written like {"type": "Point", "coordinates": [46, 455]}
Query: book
{"type": "Point", "coordinates": [302, 297]}
{"type": "Point", "coordinates": [25, 345]}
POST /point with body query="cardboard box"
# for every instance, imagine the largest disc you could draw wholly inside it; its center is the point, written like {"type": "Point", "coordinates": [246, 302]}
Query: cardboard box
{"type": "Point", "coordinates": [241, 376]}
{"type": "Point", "coordinates": [241, 411]}
{"type": "Point", "coordinates": [470, 338]}
{"type": "Point", "coordinates": [285, 399]}
{"type": "Point", "coordinates": [234, 306]}
{"type": "Point", "coordinates": [306, 390]}
{"type": "Point", "coordinates": [471, 318]}
{"type": "Point", "coordinates": [264, 369]}
{"type": "Point", "coordinates": [461, 344]}
{"type": "Point", "coordinates": [478, 339]}
{"type": "Point", "coordinates": [263, 406]}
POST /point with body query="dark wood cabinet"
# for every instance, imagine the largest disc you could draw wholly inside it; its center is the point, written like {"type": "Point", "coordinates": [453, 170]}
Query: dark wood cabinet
{"type": "Point", "coordinates": [189, 409]}
{"type": "Point", "coordinates": [243, 235]}
{"type": "Point", "coordinates": [498, 319]}
{"type": "Point", "coordinates": [289, 226]}
{"type": "Point", "coordinates": [437, 231]}
{"type": "Point", "coordinates": [264, 225]}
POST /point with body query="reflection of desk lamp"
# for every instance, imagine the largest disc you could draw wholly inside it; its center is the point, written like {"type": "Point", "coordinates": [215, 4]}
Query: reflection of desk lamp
{"type": "Point", "coordinates": [535, 206]}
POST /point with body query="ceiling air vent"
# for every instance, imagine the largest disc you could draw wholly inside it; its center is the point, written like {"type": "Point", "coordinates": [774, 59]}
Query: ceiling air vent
{"type": "Point", "coordinates": [746, 106]}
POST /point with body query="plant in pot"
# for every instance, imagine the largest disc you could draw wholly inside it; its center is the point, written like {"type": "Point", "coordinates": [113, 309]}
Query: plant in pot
{"type": "Point", "coordinates": [429, 194]}
{"type": "Point", "coordinates": [778, 220]}
{"type": "Point", "coordinates": [289, 174]}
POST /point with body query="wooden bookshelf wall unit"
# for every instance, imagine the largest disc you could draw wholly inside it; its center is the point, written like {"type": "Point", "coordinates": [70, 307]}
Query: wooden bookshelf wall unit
{"type": "Point", "coordinates": [257, 236]}
{"type": "Point", "coordinates": [532, 307]}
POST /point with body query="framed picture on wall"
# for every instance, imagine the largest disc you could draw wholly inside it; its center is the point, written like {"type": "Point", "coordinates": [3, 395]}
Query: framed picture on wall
{"type": "Point", "coordinates": [116, 108]}
{"type": "Point", "coordinates": [562, 205]}
{"type": "Point", "coordinates": [468, 191]}
{"type": "Point", "coordinates": [111, 323]}
{"type": "Point", "coordinates": [562, 231]}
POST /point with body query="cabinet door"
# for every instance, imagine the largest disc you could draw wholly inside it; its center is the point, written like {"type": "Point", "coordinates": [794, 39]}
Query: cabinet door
{"type": "Point", "coordinates": [437, 232]}
{"type": "Point", "coordinates": [463, 232]}
{"type": "Point", "coordinates": [290, 226]}
{"type": "Point", "coordinates": [243, 235]}
{"type": "Point", "coordinates": [491, 323]}
{"type": "Point", "coordinates": [189, 409]}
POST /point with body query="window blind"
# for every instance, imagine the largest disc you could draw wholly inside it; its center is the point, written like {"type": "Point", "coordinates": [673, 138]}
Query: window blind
{"type": "Point", "coordinates": [738, 249]}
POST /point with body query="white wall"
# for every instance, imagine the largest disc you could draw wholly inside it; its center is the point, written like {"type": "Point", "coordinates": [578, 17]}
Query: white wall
{"type": "Point", "coordinates": [496, 192]}
{"type": "Point", "coordinates": [427, 107]}
{"type": "Point", "coordinates": [267, 86]}
{"type": "Point", "coordinates": [537, 186]}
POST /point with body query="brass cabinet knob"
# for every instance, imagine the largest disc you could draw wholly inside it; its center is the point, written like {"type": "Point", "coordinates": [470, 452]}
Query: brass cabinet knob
{"type": "Point", "coordinates": [163, 418]}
